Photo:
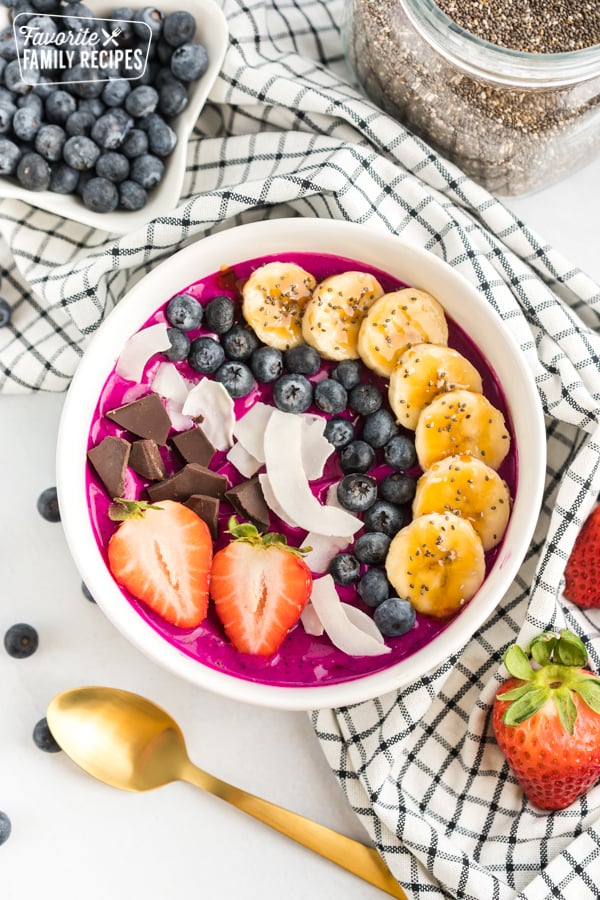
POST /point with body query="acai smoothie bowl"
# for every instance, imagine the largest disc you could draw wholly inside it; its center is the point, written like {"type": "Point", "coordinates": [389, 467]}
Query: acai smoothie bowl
{"type": "Point", "coordinates": [300, 463]}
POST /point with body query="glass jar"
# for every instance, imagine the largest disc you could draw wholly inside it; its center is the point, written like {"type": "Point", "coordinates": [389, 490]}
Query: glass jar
{"type": "Point", "coordinates": [514, 121]}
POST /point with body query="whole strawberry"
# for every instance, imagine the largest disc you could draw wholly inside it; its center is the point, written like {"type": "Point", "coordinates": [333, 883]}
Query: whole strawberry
{"type": "Point", "coordinates": [547, 720]}
{"type": "Point", "coordinates": [582, 572]}
{"type": "Point", "coordinates": [259, 585]}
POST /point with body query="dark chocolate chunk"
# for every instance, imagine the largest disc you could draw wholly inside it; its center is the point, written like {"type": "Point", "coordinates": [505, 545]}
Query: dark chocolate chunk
{"type": "Point", "coordinates": [145, 459]}
{"type": "Point", "coordinates": [247, 499]}
{"type": "Point", "coordinates": [208, 510]}
{"type": "Point", "coordinates": [192, 479]}
{"type": "Point", "coordinates": [194, 446]}
{"type": "Point", "coordinates": [146, 418]}
{"type": "Point", "coordinates": [109, 458]}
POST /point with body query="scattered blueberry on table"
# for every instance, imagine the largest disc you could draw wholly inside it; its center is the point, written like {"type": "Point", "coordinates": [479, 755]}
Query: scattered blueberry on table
{"type": "Point", "coordinates": [21, 640]}
{"type": "Point", "coordinates": [5, 827]}
{"type": "Point", "coordinates": [47, 505]}
{"type": "Point", "coordinates": [5, 310]}
{"type": "Point", "coordinates": [43, 737]}
{"type": "Point", "coordinates": [66, 125]}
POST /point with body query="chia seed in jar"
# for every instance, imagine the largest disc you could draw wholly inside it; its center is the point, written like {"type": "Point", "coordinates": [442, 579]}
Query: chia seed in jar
{"type": "Point", "coordinates": [509, 91]}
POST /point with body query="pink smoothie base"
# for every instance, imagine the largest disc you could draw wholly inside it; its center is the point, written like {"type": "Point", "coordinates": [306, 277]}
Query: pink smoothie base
{"type": "Point", "coordinates": [303, 660]}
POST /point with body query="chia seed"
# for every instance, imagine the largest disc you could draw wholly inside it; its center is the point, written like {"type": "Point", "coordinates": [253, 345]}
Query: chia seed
{"type": "Point", "coordinates": [511, 136]}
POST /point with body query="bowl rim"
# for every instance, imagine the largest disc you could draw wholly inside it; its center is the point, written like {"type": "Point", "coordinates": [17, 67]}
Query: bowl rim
{"type": "Point", "coordinates": [213, 32]}
{"type": "Point", "coordinates": [391, 254]}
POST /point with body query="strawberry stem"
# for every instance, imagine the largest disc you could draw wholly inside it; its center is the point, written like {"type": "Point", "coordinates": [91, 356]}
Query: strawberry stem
{"type": "Point", "coordinates": [123, 509]}
{"type": "Point", "coordinates": [559, 659]}
{"type": "Point", "coordinates": [249, 534]}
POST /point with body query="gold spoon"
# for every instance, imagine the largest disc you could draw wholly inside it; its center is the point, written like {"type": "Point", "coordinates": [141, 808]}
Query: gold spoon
{"type": "Point", "coordinates": [128, 742]}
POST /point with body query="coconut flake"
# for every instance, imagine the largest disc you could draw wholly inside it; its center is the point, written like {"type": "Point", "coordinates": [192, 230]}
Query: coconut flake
{"type": "Point", "coordinates": [170, 384]}
{"type": "Point", "coordinates": [244, 462]}
{"type": "Point", "coordinates": [310, 621]}
{"type": "Point", "coordinates": [250, 430]}
{"type": "Point", "coordinates": [289, 484]}
{"type": "Point", "coordinates": [322, 551]}
{"type": "Point", "coordinates": [178, 420]}
{"type": "Point", "coordinates": [343, 633]}
{"type": "Point", "coordinates": [139, 349]}
{"type": "Point", "coordinates": [272, 502]}
{"type": "Point", "coordinates": [316, 449]}
{"type": "Point", "coordinates": [210, 400]}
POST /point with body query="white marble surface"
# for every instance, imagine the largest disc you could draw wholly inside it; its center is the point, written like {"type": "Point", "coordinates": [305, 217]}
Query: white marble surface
{"type": "Point", "coordinates": [73, 838]}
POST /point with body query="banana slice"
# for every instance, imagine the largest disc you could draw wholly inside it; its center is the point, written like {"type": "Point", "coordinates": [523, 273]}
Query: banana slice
{"type": "Point", "coordinates": [437, 562]}
{"type": "Point", "coordinates": [424, 371]}
{"type": "Point", "coordinates": [397, 321]}
{"type": "Point", "coordinates": [467, 487]}
{"type": "Point", "coordinates": [461, 422]}
{"type": "Point", "coordinates": [274, 299]}
{"type": "Point", "coordinates": [335, 312]}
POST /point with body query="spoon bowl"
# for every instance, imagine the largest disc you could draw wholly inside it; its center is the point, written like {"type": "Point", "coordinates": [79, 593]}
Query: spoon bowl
{"type": "Point", "coordinates": [128, 742]}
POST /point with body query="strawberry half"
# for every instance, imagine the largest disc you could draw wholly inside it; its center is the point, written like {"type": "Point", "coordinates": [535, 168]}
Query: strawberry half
{"type": "Point", "coordinates": [582, 572]}
{"type": "Point", "coordinates": [547, 720]}
{"type": "Point", "coordinates": [259, 585]}
{"type": "Point", "coordinates": [162, 555]}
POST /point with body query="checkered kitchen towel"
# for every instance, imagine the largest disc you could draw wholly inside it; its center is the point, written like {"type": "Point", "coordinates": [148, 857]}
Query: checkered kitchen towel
{"type": "Point", "coordinates": [287, 133]}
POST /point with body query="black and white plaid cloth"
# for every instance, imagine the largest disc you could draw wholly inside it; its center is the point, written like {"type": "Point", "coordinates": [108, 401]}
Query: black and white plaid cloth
{"type": "Point", "coordinates": [286, 132]}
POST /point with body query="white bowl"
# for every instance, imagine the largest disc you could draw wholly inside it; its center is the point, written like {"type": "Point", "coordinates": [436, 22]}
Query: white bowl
{"type": "Point", "coordinates": [213, 33]}
{"type": "Point", "coordinates": [411, 265]}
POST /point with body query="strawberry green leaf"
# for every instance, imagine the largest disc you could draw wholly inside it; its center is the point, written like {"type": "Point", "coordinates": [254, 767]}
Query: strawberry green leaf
{"type": "Point", "coordinates": [570, 650]}
{"type": "Point", "coordinates": [515, 693]}
{"type": "Point", "coordinates": [517, 663]}
{"type": "Point", "coordinates": [542, 647]}
{"type": "Point", "coordinates": [123, 509]}
{"type": "Point", "coordinates": [526, 706]}
{"type": "Point", "coordinates": [567, 711]}
{"type": "Point", "coordinates": [589, 691]}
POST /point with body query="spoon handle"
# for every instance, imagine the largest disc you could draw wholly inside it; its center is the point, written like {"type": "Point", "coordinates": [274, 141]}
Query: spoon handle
{"type": "Point", "coordinates": [351, 855]}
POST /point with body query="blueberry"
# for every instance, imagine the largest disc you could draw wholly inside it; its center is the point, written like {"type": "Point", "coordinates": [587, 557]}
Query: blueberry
{"type": "Point", "coordinates": [394, 617]}
{"type": "Point", "coordinates": [10, 155]}
{"type": "Point", "coordinates": [180, 345]}
{"type": "Point", "coordinates": [239, 343]}
{"type": "Point", "coordinates": [399, 452]}
{"type": "Point", "coordinates": [135, 143]}
{"type": "Point", "coordinates": [79, 17]}
{"type": "Point", "coordinates": [179, 28]}
{"type": "Point", "coordinates": [124, 16]}
{"type": "Point", "coordinates": [49, 142]}
{"type": "Point", "coordinates": [115, 92]}
{"type": "Point", "coordinates": [141, 101]}
{"type": "Point", "coordinates": [379, 427]}
{"type": "Point", "coordinates": [357, 491]}
{"type": "Point", "coordinates": [331, 396]}
{"type": "Point", "coordinates": [365, 399]}
{"type": "Point", "coordinates": [5, 827]}
{"type": "Point", "coordinates": [13, 80]}
{"type": "Point", "coordinates": [292, 393]}
{"type": "Point", "coordinates": [93, 105]}
{"type": "Point", "coordinates": [33, 172]}
{"type": "Point", "coordinates": [398, 488]}
{"type": "Point", "coordinates": [384, 516]}
{"type": "Point", "coordinates": [302, 360]}
{"type": "Point", "coordinates": [373, 587]}
{"type": "Point", "coordinates": [172, 98]}
{"type": "Point", "coordinates": [236, 378]}
{"type": "Point", "coordinates": [344, 568]}
{"type": "Point", "coordinates": [339, 432]}
{"type": "Point", "coordinates": [7, 111]}
{"type": "Point", "coordinates": [219, 314]}
{"type": "Point", "coordinates": [164, 52]}
{"type": "Point", "coordinates": [100, 195]}
{"type": "Point", "coordinates": [43, 737]}
{"type": "Point", "coordinates": [45, 87]}
{"type": "Point", "coordinates": [266, 364]}
{"type": "Point", "coordinates": [132, 195]}
{"type": "Point", "coordinates": [147, 170]}
{"type": "Point", "coordinates": [348, 373]}
{"type": "Point", "coordinates": [112, 165]}
{"type": "Point", "coordinates": [26, 123]}
{"type": "Point", "coordinates": [189, 61]}
{"type": "Point", "coordinates": [5, 313]}
{"type": "Point", "coordinates": [371, 547]}
{"type": "Point", "coordinates": [184, 311]}
{"type": "Point", "coordinates": [161, 137]}
{"type": "Point", "coordinates": [148, 17]}
{"type": "Point", "coordinates": [83, 82]}
{"type": "Point", "coordinates": [357, 456]}
{"type": "Point", "coordinates": [21, 641]}
{"type": "Point", "coordinates": [111, 129]}
{"type": "Point", "coordinates": [80, 152]}
{"type": "Point", "coordinates": [79, 122]}
{"type": "Point", "coordinates": [206, 355]}
{"type": "Point", "coordinates": [63, 179]}
{"type": "Point", "coordinates": [33, 101]}
{"type": "Point", "coordinates": [59, 106]}
{"type": "Point", "coordinates": [86, 592]}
